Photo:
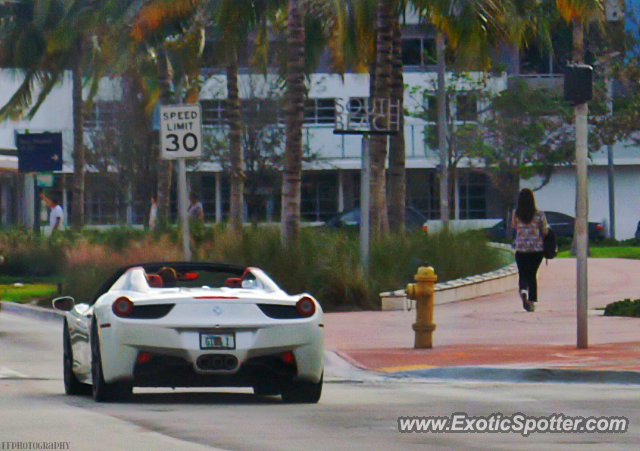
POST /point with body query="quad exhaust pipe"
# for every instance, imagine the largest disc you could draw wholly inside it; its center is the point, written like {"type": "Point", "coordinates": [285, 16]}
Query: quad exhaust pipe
{"type": "Point", "coordinates": [217, 362]}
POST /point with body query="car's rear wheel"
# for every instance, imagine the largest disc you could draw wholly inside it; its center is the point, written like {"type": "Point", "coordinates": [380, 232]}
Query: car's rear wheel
{"type": "Point", "coordinates": [302, 392]}
{"type": "Point", "coordinates": [72, 386]}
{"type": "Point", "coordinates": [103, 392]}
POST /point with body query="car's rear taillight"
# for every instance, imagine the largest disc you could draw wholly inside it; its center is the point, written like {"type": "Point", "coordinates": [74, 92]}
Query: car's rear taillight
{"type": "Point", "coordinates": [306, 307]}
{"type": "Point", "coordinates": [122, 307]}
{"type": "Point", "coordinates": [288, 357]}
{"type": "Point", "coordinates": [600, 228]}
{"type": "Point", "coordinates": [144, 357]}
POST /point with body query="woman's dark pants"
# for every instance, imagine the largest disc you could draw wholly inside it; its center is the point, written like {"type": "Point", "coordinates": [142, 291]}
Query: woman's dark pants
{"type": "Point", "coordinates": [528, 264]}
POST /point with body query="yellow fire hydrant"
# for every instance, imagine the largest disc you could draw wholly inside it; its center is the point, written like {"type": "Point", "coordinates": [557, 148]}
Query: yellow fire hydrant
{"type": "Point", "coordinates": [422, 292]}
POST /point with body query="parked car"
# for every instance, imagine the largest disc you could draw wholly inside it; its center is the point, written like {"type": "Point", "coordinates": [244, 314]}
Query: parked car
{"type": "Point", "coordinates": [561, 223]}
{"type": "Point", "coordinates": [177, 324]}
{"type": "Point", "coordinates": [413, 220]}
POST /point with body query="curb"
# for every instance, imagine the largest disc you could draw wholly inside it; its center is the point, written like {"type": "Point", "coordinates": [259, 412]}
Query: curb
{"type": "Point", "coordinates": [467, 288]}
{"type": "Point", "coordinates": [523, 375]}
{"type": "Point", "coordinates": [32, 311]}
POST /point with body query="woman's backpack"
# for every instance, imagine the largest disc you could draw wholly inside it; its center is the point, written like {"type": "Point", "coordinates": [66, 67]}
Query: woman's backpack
{"type": "Point", "coordinates": [550, 245]}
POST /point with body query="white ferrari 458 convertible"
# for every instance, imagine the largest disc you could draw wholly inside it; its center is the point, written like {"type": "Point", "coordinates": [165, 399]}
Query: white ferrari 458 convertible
{"type": "Point", "coordinates": [179, 324]}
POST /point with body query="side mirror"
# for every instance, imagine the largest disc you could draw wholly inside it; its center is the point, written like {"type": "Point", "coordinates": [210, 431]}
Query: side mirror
{"type": "Point", "coordinates": [63, 304]}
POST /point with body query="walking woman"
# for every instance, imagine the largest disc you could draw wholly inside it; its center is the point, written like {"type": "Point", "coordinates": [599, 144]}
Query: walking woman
{"type": "Point", "coordinates": [531, 228]}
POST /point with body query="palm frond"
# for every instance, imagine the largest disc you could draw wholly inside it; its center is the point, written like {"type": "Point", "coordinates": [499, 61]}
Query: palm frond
{"type": "Point", "coordinates": [21, 100]}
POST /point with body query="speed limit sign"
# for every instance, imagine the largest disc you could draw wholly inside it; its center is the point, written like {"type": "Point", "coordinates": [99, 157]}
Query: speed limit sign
{"type": "Point", "coordinates": [180, 128]}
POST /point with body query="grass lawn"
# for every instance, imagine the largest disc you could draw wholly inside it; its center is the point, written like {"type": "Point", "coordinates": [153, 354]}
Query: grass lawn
{"type": "Point", "coordinates": [609, 252]}
{"type": "Point", "coordinates": [27, 293]}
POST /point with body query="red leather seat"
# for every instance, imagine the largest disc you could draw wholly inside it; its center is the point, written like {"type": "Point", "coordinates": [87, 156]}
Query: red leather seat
{"type": "Point", "coordinates": [233, 282]}
{"type": "Point", "coordinates": [155, 281]}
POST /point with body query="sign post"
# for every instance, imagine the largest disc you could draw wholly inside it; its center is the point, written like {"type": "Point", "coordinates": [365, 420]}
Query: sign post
{"type": "Point", "coordinates": [578, 90]}
{"type": "Point", "coordinates": [39, 153]}
{"type": "Point", "coordinates": [181, 138]}
{"type": "Point", "coordinates": [366, 117]}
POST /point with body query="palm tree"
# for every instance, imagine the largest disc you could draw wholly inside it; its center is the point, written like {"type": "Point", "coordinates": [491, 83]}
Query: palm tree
{"type": "Point", "coordinates": [149, 25]}
{"type": "Point", "coordinates": [397, 152]}
{"type": "Point", "coordinates": [234, 21]}
{"type": "Point", "coordinates": [50, 39]}
{"type": "Point", "coordinates": [295, 96]}
{"type": "Point", "coordinates": [382, 86]}
{"type": "Point", "coordinates": [580, 13]}
{"type": "Point", "coordinates": [471, 28]}
{"type": "Point", "coordinates": [355, 45]}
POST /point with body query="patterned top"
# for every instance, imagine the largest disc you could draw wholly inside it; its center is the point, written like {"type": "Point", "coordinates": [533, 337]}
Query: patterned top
{"type": "Point", "coordinates": [529, 236]}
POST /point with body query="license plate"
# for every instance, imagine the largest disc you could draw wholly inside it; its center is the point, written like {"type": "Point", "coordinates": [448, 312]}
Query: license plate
{"type": "Point", "coordinates": [217, 341]}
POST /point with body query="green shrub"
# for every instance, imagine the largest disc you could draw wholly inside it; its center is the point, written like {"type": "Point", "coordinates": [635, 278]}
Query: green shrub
{"type": "Point", "coordinates": [326, 264]}
{"type": "Point", "coordinates": [29, 255]}
{"type": "Point", "coordinates": [623, 308]}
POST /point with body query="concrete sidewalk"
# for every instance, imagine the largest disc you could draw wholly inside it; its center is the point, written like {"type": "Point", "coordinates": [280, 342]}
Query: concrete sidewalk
{"type": "Point", "coordinates": [495, 331]}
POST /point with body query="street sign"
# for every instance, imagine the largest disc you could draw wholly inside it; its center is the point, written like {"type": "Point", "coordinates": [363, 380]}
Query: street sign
{"type": "Point", "coordinates": [44, 180]}
{"type": "Point", "coordinates": [39, 152]}
{"type": "Point", "coordinates": [180, 130]}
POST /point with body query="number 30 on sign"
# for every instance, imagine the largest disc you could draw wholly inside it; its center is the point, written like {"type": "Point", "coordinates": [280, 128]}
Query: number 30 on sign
{"type": "Point", "coordinates": [181, 135]}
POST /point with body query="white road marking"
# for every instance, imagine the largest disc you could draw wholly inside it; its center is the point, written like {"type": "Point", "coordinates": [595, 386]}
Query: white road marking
{"type": "Point", "coordinates": [6, 373]}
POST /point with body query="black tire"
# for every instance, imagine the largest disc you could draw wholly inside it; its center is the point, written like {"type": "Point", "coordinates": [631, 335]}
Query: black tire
{"type": "Point", "coordinates": [72, 386]}
{"type": "Point", "coordinates": [103, 392]}
{"type": "Point", "coordinates": [302, 392]}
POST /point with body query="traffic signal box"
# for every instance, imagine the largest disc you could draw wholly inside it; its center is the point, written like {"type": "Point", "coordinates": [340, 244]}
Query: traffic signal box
{"type": "Point", "coordinates": [578, 84]}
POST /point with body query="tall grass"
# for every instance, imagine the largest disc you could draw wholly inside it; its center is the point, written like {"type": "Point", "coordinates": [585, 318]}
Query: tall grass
{"type": "Point", "coordinates": [326, 264]}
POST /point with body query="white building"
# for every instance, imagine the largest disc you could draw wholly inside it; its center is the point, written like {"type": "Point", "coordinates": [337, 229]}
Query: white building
{"type": "Point", "coordinates": [331, 181]}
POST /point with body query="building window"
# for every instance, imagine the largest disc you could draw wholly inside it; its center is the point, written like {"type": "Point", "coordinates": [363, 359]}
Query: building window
{"type": "Point", "coordinates": [101, 114]}
{"type": "Point", "coordinates": [418, 51]}
{"type": "Point", "coordinates": [213, 112]}
{"type": "Point", "coordinates": [319, 111]}
{"type": "Point", "coordinates": [467, 107]}
{"type": "Point", "coordinates": [473, 195]}
{"type": "Point", "coordinates": [431, 104]}
{"type": "Point", "coordinates": [423, 192]}
{"type": "Point", "coordinates": [264, 111]}
{"type": "Point", "coordinates": [319, 196]}
{"type": "Point", "coordinates": [208, 196]}
{"type": "Point", "coordinates": [412, 52]}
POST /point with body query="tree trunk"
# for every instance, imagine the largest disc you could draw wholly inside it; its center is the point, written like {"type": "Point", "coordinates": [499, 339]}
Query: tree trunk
{"type": "Point", "coordinates": [77, 218]}
{"type": "Point", "coordinates": [397, 184]}
{"type": "Point", "coordinates": [165, 167]}
{"type": "Point", "coordinates": [578, 58]}
{"type": "Point", "coordinates": [384, 30]}
{"type": "Point", "coordinates": [295, 96]}
{"type": "Point", "coordinates": [235, 145]}
{"type": "Point", "coordinates": [578, 42]}
{"type": "Point", "coordinates": [442, 129]}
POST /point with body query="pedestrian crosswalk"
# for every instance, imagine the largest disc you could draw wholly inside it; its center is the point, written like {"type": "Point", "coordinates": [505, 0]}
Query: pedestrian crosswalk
{"type": "Point", "coordinates": [6, 373]}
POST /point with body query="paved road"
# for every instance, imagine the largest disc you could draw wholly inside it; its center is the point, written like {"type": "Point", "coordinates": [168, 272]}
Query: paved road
{"type": "Point", "coordinates": [357, 411]}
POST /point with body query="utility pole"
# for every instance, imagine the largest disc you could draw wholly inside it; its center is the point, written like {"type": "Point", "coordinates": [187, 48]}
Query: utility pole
{"type": "Point", "coordinates": [610, 165]}
{"type": "Point", "coordinates": [578, 90]}
{"type": "Point", "coordinates": [581, 227]}
{"type": "Point", "coordinates": [365, 203]}
{"type": "Point", "coordinates": [443, 149]}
